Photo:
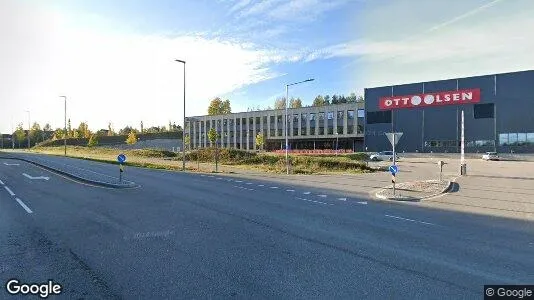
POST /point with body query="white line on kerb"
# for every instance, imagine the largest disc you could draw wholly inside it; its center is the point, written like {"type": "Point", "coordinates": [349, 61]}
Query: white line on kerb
{"type": "Point", "coordinates": [1, 182]}
{"type": "Point", "coordinates": [410, 220]}
{"type": "Point", "coordinates": [26, 208]}
{"type": "Point", "coordinates": [9, 191]}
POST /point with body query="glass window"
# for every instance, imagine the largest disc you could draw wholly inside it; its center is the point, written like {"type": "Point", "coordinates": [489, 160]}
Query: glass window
{"type": "Point", "coordinates": [340, 129]}
{"type": "Point", "coordinates": [279, 119]}
{"type": "Point", "coordinates": [321, 116]}
{"type": "Point", "coordinates": [530, 137]}
{"type": "Point", "coordinates": [271, 119]}
{"type": "Point", "coordinates": [238, 121]}
{"type": "Point", "coordinates": [312, 130]}
{"type": "Point", "coordinates": [303, 118]}
{"type": "Point", "coordinates": [258, 120]}
{"type": "Point", "coordinates": [521, 138]}
{"type": "Point", "coordinates": [340, 115]}
{"type": "Point", "coordinates": [361, 113]}
{"type": "Point", "coordinates": [321, 130]}
{"type": "Point", "coordinates": [250, 120]}
{"type": "Point", "coordinates": [312, 117]}
{"type": "Point", "coordinates": [350, 114]}
{"type": "Point", "coordinates": [330, 115]}
{"type": "Point", "coordinates": [503, 139]}
{"type": "Point", "coordinates": [330, 130]}
{"type": "Point", "coordinates": [350, 129]}
{"type": "Point", "coordinates": [295, 118]}
{"type": "Point", "coordinates": [512, 138]}
{"type": "Point", "coordinates": [303, 131]}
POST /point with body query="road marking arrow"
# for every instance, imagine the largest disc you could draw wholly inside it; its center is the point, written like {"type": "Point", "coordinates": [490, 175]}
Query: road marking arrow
{"type": "Point", "coordinates": [37, 177]}
{"type": "Point", "coordinates": [8, 164]}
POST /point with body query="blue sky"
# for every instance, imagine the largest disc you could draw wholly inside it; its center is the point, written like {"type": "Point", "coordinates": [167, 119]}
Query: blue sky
{"type": "Point", "coordinates": [114, 59]}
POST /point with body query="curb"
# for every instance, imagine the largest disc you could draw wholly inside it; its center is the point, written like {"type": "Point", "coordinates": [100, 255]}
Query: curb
{"type": "Point", "coordinates": [76, 177]}
{"type": "Point", "coordinates": [445, 190]}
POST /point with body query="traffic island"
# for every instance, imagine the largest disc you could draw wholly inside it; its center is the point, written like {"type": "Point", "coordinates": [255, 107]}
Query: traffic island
{"type": "Point", "coordinates": [414, 191]}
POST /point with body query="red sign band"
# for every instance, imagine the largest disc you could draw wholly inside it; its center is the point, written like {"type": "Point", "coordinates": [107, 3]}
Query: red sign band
{"type": "Point", "coordinates": [430, 99]}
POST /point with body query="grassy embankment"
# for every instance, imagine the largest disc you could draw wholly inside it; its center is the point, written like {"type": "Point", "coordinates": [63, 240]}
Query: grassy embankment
{"type": "Point", "coordinates": [228, 159]}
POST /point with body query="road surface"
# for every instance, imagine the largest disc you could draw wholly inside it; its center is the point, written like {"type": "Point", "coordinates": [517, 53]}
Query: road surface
{"type": "Point", "coordinates": [183, 235]}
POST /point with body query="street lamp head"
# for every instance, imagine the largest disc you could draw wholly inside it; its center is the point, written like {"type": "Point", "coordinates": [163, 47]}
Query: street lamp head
{"type": "Point", "coordinates": [311, 79]}
{"type": "Point", "coordinates": [178, 60]}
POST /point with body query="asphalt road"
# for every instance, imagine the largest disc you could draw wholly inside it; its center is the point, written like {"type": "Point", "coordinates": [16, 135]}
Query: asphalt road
{"type": "Point", "coordinates": [182, 235]}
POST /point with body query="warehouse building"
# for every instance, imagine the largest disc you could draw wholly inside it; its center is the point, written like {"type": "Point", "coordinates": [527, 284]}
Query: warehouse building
{"type": "Point", "coordinates": [338, 126]}
{"type": "Point", "coordinates": [498, 114]}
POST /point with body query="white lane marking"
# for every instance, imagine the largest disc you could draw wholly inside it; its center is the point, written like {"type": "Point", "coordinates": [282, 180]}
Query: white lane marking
{"type": "Point", "coordinates": [219, 178]}
{"type": "Point", "coordinates": [8, 164]}
{"type": "Point", "coordinates": [229, 179]}
{"type": "Point", "coordinates": [314, 201]}
{"type": "Point", "coordinates": [342, 199]}
{"type": "Point", "coordinates": [274, 187]}
{"type": "Point", "coordinates": [307, 193]}
{"type": "Point", "coordinates": [261, 185]}
{"type": "Point", "coordinates": [322, 196]}
{"type": "Point", "coordinates": [410, 220]}
{"type": "Point", "coordinates": [238, 181]}
{"type": "Point", "coordinates": [362, 202]}
{"type": "Point", "coordinates": [202, 175]}
{"type": "Point", "coordinates": [249, 183]}
{"type": "Point", "coordinates": [36, 177]}
{"type": "Point", "coordinates": [9, 191]}
{"type": "Point", "coordinates": [211, 176]}
{"type": "Point", "coordinates": [1, 182]}
{"type": "Point", "coordinates": [26, 208]}
{"type": "Point", "coordinates": [290, 190]}
{"type": "Point", "coordinates": [250, 189]}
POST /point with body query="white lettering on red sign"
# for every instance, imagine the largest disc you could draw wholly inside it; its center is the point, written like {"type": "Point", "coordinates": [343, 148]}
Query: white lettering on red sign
{"type": "Point", "coordinates": [430, 99]}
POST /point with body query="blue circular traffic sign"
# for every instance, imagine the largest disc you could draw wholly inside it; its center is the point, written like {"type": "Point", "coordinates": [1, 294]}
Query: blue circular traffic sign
{"type": "Point", "coordinates": [393, 169]}
{"type": "Point", "coordinates": [121, 158]}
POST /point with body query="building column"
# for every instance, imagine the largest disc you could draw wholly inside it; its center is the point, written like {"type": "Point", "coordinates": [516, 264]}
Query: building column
{"type": "Point", "coordinates": [254, 130]}
{"type": "Point", "coordinates": [299, 124]}
{"type": "Point", "coordinates": [345, 119]}
{"type": "Point", "coordinates": [275, 124]}
{"type": "Point", "coordinates": [308, 124]}
{"type": "Point", "coordinates": [261, 128]}
{"type": "Point", "coordinates": [205, 132]}
{"type": "Point", "coordinates": [235, 134]}
{"type": "Point", "coordinates": [334, 123]}
{"type": "Point", "coordinates": [317, 121]}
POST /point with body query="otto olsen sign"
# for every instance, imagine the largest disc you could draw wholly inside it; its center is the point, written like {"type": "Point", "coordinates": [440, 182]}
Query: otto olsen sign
{"type": "Point", "coordinates": [430, 99]}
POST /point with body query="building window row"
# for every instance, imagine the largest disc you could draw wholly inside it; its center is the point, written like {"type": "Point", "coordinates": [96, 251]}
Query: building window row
{"type": "Point", "coordinates": [516, 139]}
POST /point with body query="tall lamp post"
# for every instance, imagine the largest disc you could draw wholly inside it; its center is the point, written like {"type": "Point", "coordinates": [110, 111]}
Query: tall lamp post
{"type": "Point", "coordinates": [183, 128]}
{"type": "Point", "coordinates": [337, 140]}
{"type": "Point", "coordinates": [285, 126]}
{"type": "Point", "coordinates": [65, 128]}
{"type": "Point", "coordinates": [29, 128]}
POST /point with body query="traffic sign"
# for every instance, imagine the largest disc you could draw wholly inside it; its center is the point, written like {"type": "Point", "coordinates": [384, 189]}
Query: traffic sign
{"type": "Point", "coordinates": [393, 137]}
{"type": "Point", "coordinates": [121, 158]}
{"type": "Point", "coordinates": [393, 169]}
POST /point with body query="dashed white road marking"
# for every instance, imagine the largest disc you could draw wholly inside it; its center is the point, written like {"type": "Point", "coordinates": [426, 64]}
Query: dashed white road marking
{"type": "Point", "coordinates": [9, 190]}
{"type": "Point", "coordinates": [307, 193]}
{"type": "Point", "coordinates": [290, 190]}
{"type": "Point", "coordinates": [1, 182]}
{"type": "Point", "coordinates": [211, 176]}
{"type": "Point", "coordinates": [322, 196]}
{"type": "Point", "coordinates": [249, 183]}
{"type": "Point", "coordinates": [274, 187]}
{"type": "Point", "coordinates": [342, 199]}
{"type": "Point", "coordinates": [261, 185]}
{"type": "Point", "coordinates": [314, 201]}
{"type": "Point", "coordinates": [238, 181]}
{"type": "Point", "coordinates": [26, 208]}
{"type": "Point", "coordinates": [410, 220]}
{"type": "Point", "coordinates": [9, 164]}
{"type": "Point", "coordinates": [219, 178]}
{"type": "Point", "coordinates": [202, 175]}
{"type": "Point", "coordinates": [362, 202]}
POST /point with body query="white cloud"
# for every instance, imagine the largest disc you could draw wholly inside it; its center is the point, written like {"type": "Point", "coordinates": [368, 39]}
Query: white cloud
{"type": "Point", "coordinates": [115, 77]}
{"type": "Point", "coordinates": [287, 10]}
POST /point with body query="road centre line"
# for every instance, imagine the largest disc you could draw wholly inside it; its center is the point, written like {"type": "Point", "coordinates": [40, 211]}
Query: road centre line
{"type": "Point", "coordinates": [9, 190]}
{"type": "Point", "coordinates": [261, 185]}
{"type": "Point", "coordinates": [342, 199]}
{"type": "Point", "coordinates": [410, 220]}
{"type": "Point", "coordinates": [314, 201]}
{"type": "Point", "coordinates": [307, 193]}
{"type": "Point", "coordinates": [322, 196]}
{"type": "Point", "coordinates": [26, 208]}
{"type": "Point", "coordinates": [274, 187]}
{"type": "Point", "coordinates": [290, 190]}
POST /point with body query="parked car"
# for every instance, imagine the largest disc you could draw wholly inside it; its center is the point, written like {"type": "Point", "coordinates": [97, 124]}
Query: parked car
{"type": "Point", "coordinates": [384, 155]}
{"type": "Point", "coordinates": [490, 156]}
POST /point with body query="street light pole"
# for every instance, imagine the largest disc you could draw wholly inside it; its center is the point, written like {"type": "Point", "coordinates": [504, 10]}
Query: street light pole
{"type": "Point", "coordinates": [65, 128]}
{"type": "Point", "coordinates": [287, 142]}
{"type": "Point", "coordinates": [29, 128]}
{"type": "Point", "coordinates": [183, 128]}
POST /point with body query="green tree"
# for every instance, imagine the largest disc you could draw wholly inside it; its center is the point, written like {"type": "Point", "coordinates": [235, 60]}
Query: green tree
{"type": "Point", "coordinates": [360, 99]}
{"type": "Point", "coordinates": [93, 140]}
{"type": "Point", "coordinates": [318, 101]}
{"type": "Point", "coordinates": [213, 136]}
{"type": "Point", "coordinates": [132, 138]}
{"type": "Point", "coordinates": [295, 103]}
{"type": "Point", "coordinates": [260, 140]}
{"type": "Point", "coordinates": [335, 99]}
{"type": "Point", "coordinates": [187, 141]}
{"type": "Point", "coordinates": [69, 129]}
{"type": "Point", "coordinates": [83, 130]}
{"type": "Point", "coordinates": [327, 100]}
{"type": "Point", "coordinates": [352, 98]}
{"type": "Point", "coordinates": [280, 103]}
{"type": "Point", "coordinates": [19, 133]}
{"type": "Point", "coordinates": [219, 107]}
{"type": "Point", "coordinates": [35, 133]}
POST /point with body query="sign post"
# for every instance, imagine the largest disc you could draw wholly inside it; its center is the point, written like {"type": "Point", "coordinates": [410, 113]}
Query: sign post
{"type": "Point", "coordinates": [463, 167]}
{"type": "Point", "coordinates": [393, 138]}
{"type": "Point", "coordinates": [121, 158]}
{"type": "Point", "coordinates": [440, 165]}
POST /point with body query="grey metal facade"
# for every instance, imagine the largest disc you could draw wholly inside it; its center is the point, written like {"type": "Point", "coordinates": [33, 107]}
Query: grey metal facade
{"type": "Point", "coordinates": [437, 129]}
{"type": "Point", "coordinates": [308, 128]}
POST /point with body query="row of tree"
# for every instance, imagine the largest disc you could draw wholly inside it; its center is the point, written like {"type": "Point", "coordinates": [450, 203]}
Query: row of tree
{"type": "Point", "coordinates": [220, 107]}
